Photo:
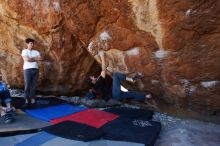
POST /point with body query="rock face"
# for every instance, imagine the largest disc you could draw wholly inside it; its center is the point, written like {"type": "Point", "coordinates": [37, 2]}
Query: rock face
{"type": "Point", "coordinates": [66, 62]}
{"type": "Point", "coordinates": [175, 44]}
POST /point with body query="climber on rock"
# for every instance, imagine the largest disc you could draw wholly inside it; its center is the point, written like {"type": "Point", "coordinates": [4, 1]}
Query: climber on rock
{"type": "Point", "coordinates": [101, 88]}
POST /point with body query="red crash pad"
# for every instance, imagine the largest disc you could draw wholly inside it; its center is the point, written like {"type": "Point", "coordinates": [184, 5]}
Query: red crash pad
{"type": "Point", "coordinates": [92, 117]}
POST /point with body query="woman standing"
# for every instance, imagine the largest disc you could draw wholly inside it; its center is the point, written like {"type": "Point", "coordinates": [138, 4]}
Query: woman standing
{"type": "Point", "coordinates": [31, 72]}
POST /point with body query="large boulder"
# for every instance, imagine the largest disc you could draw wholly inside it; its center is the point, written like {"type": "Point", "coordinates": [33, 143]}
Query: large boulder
{"type": "Point", "coordinates": [175, 44]}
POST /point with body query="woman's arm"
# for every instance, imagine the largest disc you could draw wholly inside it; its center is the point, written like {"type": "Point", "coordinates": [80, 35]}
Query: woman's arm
{"type": "Point", "coordinates": [28, 59]}
{"type": "Point", "coordinates": [102, 57]}
{"type": "Point", "coordinates": [37, 58]}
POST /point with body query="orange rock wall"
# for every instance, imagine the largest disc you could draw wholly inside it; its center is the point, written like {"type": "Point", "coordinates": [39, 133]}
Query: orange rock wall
{"type": "Point", "coordinates": [66, 63]}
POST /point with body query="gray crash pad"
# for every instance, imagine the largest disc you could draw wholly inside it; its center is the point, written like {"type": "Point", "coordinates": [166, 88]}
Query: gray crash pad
{"type": "Point", "coordinates": [22, 122]}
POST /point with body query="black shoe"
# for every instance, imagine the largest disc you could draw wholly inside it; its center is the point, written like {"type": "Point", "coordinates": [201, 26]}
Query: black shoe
{"type": "Point", "coordinates": [8, 118]}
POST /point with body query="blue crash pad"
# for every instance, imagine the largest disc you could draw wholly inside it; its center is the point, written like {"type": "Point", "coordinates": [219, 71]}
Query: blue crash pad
{"type": "Point", "coordinates": [53, 112]}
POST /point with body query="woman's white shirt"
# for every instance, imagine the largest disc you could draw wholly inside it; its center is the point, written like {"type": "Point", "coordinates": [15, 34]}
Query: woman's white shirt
{"type": "Point", "coordinates": [30, 54]}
